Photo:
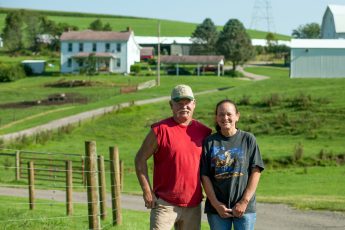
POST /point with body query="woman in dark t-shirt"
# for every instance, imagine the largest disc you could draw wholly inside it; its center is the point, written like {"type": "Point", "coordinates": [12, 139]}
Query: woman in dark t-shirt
{"type": "Point", "coordinates": [230, 171]}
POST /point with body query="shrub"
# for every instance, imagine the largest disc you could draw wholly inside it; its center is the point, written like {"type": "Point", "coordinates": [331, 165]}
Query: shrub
{"type": "Point", "coordinates": [10, 72]}
{"type": "Point", "coordinates": [273, 100]}
{"type": "Point", "coordinates": [245, 100]}
{"type": "Point", "coordinates": [232, 73]}
{"type": "Point", "coordinates": [136, 68]}
{"type": "Point", "coordinates": [298, 153]}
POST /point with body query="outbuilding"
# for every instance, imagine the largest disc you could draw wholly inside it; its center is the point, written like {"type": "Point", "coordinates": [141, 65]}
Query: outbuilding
{"type": "Point", "coordinates": [199, 60]}
{"type": "Point", "coordinates": [317, 58]}
{"type": "Point", "coordinates": [333, 22]}
{"type": "Point", "coordinates": [35, 66]}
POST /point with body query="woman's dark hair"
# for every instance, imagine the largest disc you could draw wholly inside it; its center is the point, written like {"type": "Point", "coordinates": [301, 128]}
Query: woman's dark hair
{"type": "Point", "coordinates": [220, 103]}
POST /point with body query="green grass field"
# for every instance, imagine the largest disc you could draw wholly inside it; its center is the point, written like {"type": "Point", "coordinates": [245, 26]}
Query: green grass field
{"type": "Point", "coordinates": [279, 129]}
{"type": "Point", "coordinates": [140, 26]}
{"type": "Point", "coordinates": [49, 214]}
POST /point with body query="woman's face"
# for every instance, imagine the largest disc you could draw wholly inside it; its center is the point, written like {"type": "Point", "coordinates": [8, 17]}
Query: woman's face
{"type": "Point", "coordinates": [227, 116]}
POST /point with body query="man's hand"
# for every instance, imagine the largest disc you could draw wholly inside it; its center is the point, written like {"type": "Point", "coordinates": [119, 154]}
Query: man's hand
{"type": "Point", "coordinates": [149, 199]}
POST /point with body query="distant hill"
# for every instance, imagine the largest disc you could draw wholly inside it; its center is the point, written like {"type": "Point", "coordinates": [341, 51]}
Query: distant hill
{"type": "Point", "coordinates": [140, 26]}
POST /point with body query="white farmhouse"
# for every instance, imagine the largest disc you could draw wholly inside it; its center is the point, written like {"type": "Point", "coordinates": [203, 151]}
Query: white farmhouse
{"type": "Point", "coordinates": [114, 52]}
{"type": "Point", "coordinates": [333, 22]}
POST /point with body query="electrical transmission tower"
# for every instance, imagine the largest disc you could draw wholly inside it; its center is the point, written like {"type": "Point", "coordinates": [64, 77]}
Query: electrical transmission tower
{"type": "Point", "coordinates": [262, 18]}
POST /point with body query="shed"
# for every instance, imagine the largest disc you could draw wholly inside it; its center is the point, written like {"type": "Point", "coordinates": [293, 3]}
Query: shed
{"type": "Point", "coordinates": [333, 22]}
{"type": "Point", "coordinates": [146, 53]}
{"type": "Point", "coordinates": [317, 58]}
{"type": "Point", "coordinates": [36, 66]}
{"type": "Point", "coordinates": [199, 60]}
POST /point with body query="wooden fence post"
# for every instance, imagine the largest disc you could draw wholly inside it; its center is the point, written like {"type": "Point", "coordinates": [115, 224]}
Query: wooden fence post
{"type": "Point", "coordinates": [92, 185]}
{"type": "Point", "coordinates": [83, 171]}
{"type": "Point", "coordinates": [115, 185]}
{"type": "Point", "coordinates": [102, 187]}
{"type": "Point", "coordinates": [31, 176]}
{"type": "Point", "coordinates": [69, 188]}
{"type": "Point", "coordinates": [18, 169]}
{"type": "Point", "coordinates": [122, 170]}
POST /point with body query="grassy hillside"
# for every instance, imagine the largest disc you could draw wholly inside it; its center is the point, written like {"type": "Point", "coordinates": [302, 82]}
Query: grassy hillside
{"type": "Point", "coordinates": [283, 113]}
{"type": "Point", "coordinates": [104, 92]}
{"type": "Point", "coordinates": [141, 26]}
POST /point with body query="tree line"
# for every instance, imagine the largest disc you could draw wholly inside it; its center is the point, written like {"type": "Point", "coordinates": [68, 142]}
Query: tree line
{"type": "Point", "coordinates": [24, 31]}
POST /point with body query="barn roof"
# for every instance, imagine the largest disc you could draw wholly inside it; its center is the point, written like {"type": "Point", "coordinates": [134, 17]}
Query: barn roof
{"type": "Point", "coordinates": [338, 12]}
{"type": "Point", "coordinates": [90, 35]}
{"type": "Point", "coordinates": [318, 43]}
{"type": "Point", "coordinates": [162, 40]}
{"type": "Point", "coordinates": [197, 59]}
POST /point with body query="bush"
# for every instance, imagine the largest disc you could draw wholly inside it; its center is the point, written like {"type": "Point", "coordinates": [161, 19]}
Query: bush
{"type": "Point", "coordinates": [136, 68]}
{"type": "Point", "coordinates": [10, 72]}
{"type": "Point", "coordinates": [232, 73]}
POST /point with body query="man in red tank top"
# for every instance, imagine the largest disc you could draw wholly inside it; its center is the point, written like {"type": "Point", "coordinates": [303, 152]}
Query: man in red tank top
{"type": "Point", "coordinates": [175, 144]}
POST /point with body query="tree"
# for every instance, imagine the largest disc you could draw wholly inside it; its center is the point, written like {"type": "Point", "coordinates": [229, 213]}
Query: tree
{"type": "Point", "coordinates": [271, 40]}
{"type": "Point", "coordinates": [107, 27]}
{"type": "Point", "coordinates": [234, 43]}
{"type": "Point", "coordinates": [13, 31]}
{"type": "Point", "coordinates": [96, 25]}
{"type": "Point", "coordinates": [205, 38]}
{"type": "Point", "coordinates": [311, 30]}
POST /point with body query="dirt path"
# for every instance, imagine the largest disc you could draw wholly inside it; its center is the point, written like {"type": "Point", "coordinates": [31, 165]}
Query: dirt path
{"type": "Point", "coordinates": [269, 216]}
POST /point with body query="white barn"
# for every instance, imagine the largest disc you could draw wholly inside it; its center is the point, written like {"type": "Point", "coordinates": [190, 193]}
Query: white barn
{"type": "Point", "coordinates": [114, 51]}
{"type": "Point", "coordinates": [333, 22]}
{"type": "Point", "coordinates": [317, 58]}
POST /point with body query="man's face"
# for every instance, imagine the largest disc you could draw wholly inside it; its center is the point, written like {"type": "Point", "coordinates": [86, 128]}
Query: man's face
{"type": "Point", "coordinates": [183, 109]}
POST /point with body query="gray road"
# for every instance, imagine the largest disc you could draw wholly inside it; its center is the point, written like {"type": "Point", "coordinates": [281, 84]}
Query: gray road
{"type": "Point", "coordinates": [269, 216]}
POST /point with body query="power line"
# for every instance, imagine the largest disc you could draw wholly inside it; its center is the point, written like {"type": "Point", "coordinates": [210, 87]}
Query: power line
{"type": "Point", "coordinates": [262, 18]}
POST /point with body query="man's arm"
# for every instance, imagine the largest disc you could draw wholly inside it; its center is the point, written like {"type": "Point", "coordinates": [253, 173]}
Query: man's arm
{"type": "Point", "coordinates": [146, 150]}
{"type": "Point", "coordinates": [241, 206]}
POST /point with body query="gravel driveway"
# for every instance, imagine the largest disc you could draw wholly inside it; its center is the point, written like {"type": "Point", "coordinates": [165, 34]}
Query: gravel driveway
{"type": "Point", "coordinates": [269, 216]}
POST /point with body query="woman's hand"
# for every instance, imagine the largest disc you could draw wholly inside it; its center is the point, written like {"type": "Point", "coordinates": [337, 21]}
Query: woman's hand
{"type": "Point", "coordinates": [223, 211]}
{"type": "Point", "coordinates": [240, 208]}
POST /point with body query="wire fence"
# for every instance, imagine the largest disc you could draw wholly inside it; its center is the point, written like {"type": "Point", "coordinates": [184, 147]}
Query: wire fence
{"type": "Point", "coordinates": [54, 178]}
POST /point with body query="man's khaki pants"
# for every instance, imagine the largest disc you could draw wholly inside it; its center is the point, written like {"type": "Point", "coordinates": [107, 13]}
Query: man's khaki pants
{"type": "Point", "coordinates": [165, 215]}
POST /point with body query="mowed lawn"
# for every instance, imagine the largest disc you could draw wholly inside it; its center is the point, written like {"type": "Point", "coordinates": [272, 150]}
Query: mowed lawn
{"type": "Point", "coordinates": [315, 123]}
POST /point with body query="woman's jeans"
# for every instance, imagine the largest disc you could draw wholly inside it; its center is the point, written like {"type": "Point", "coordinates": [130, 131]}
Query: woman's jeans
{"type": "Point", "coordinates": [246, 222]}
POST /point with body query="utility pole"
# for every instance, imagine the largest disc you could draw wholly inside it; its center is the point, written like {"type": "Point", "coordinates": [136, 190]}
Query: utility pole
{"type": "Point", "coordinates": [158, 81]}
{"type": "Point", "coordinates": [262, 16]}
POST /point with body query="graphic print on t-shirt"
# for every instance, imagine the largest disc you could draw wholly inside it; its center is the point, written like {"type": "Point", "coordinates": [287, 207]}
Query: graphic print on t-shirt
{"type": "Point", "coordinates": [227, 162]}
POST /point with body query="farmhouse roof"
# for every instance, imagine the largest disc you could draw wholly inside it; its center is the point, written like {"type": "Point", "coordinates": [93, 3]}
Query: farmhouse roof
{"type": "Point", "coordinates": [90, 35]}
{"type": "Point", "coordinates": [197, 59]}
{"type": "Point", "coordinates": [318, 43]}
{"type": "Point", "coordinates": [338, 12]}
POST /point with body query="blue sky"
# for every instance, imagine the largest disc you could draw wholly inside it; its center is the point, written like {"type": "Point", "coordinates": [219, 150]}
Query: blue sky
{"type": "Point", "coordinates": [285, 16]}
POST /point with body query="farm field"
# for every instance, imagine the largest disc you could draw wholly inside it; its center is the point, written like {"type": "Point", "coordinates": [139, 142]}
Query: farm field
{"type": "Point", "coordinates": [104, 91]}
{"type": "Point", "coordinates": [284, 114]}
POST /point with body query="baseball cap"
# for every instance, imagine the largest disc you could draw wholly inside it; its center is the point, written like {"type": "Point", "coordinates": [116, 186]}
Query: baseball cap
{"type": "Point", "coordinates": [180, 92]}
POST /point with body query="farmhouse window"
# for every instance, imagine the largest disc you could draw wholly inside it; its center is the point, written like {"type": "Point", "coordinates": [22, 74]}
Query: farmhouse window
{"type": "Point", "coordinates": [118, 47]}
{"type": "Point", "coordinates": [69, 62]}
{"type": "Point", "coordinates": [81, 47]}
{"type": "Point", "coordinates": [118, 62]}
{"type": "Point", "coordinates": [70, 47]}
{"type": "Point", "coordinates": [107, 47]}
{"type": "Point", "coordinates": [94, 47]}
